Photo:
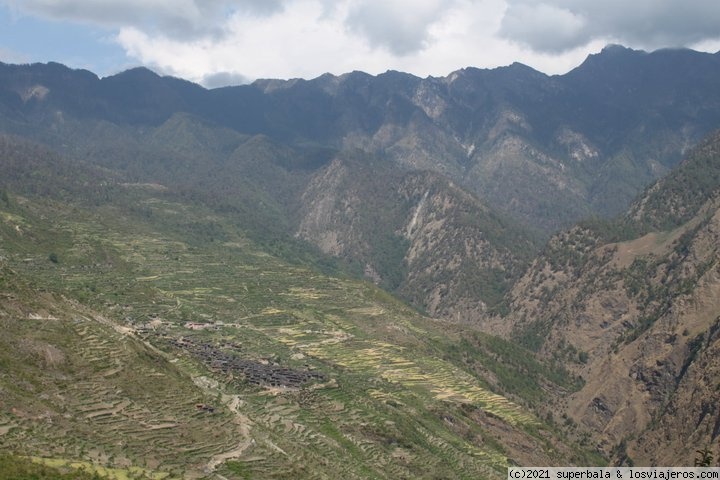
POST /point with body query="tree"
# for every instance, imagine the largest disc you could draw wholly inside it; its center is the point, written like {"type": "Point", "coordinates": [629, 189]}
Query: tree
{"type": "Point", "coordinates": [704, 458]}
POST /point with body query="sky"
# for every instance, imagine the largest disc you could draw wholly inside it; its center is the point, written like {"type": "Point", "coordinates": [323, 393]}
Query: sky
{"type": "Point", "coordinates": [230, 42]}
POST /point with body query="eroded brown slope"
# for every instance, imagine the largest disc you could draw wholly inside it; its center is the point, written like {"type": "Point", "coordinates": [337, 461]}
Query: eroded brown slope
{"type": "Point", "coordinates": [637, 319]}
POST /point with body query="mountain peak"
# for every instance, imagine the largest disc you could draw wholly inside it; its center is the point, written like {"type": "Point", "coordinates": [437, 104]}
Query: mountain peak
{"type": "Point", "coordinates": [613, 52]}
{"type": "Point", "coordinates": [616, 48]}
{"type": "Point", "coordinates": [137, 73]}
{"type": "Point", "coordinates": [612, 56]}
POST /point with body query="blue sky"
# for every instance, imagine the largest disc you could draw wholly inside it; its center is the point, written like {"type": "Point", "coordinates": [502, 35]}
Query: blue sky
{"type": "Point", "coordinates": [218, 42]}
{"type": "Point", "coordinates": [28, 39]}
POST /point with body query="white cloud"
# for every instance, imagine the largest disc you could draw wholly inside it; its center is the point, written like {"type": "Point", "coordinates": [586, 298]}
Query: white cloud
{"type": "Point", "coordinates": [401, 26]}
{"type": "Point", "coordinates": [560, 25]}
{"type": "Point", "coordinates": [288, 43]}
{"type": "Point", "coordinates": [218, 41]}
{"type": "Point", "coordinates": [545, 27]}
{"type": "Point", "coordinates": [308, 38]}
{"type": "Point", "coordinates": [180, 19]}
{"type": "Point", "coordinates": [223, 79]}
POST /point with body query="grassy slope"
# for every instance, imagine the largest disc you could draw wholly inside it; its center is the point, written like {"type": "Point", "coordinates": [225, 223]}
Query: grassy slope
{"type": "Point", "coordinates": [84, 388]}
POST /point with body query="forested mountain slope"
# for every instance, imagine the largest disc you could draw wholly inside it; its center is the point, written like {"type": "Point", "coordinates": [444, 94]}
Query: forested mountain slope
{"type": "Point", "coordinates": [633, 307]}
{"type": "Point", "coordinates": [547, 150]}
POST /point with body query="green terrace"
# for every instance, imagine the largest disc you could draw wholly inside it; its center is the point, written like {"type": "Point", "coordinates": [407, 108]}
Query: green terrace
{"type": "Point", "coordinates": [256, 365]}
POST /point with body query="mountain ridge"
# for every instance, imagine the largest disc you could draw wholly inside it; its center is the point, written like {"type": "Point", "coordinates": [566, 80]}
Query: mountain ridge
{"type": "Point", "coordinates": [544, 151]}
{"type": "Point", "coordinates": [584, 134]}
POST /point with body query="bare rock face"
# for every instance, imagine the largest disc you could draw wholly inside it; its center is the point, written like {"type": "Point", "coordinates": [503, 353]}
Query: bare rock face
{"type": "Point", "coordinates": [451, 253]}
{"type": "Point", "coordinates": [320, 199]}
{"type": "Point", "coordinates": [416, 233]}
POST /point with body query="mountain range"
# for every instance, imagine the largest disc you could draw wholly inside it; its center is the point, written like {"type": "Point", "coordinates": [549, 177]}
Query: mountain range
{"type": "Point", "coordinates": [367, 276]}
{"type": "Point", "coordinates": [548, 150]}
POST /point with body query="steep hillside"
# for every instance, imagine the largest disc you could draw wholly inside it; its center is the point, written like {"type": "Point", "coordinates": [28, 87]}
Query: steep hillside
{"type": "Point", "coordinates": [637, 318]}
{"type": "Point", "coordinates": [456, 260]}
{"type": "Point", "coordinates": [676, 199]}
{"type": "Point", "coordinates": [415, 233]}
{"type": "Point", "coordinates": [77, 386]}
{"type": "Point", "coordinates": [150, 335]}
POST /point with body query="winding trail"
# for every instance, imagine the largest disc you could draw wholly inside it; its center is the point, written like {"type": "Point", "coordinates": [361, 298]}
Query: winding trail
{"type": "Point", "coordinates": [233, 403]}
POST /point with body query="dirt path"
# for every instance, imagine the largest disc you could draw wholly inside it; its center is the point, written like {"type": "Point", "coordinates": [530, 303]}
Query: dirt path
{"type": "Point", "coordinates": [233, 403]}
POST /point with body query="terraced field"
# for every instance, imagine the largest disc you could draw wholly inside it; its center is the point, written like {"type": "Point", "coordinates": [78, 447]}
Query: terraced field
{"type": "Point", "coordinates": [80, 389]}
{"type": "Point", "coordinates": [134, 291]}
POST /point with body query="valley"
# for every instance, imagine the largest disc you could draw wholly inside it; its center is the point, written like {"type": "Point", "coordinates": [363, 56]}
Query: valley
{"type": "Point", "coordinates": [297, 367]}
{"type": "Point", "coordinates": [360, 276]}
